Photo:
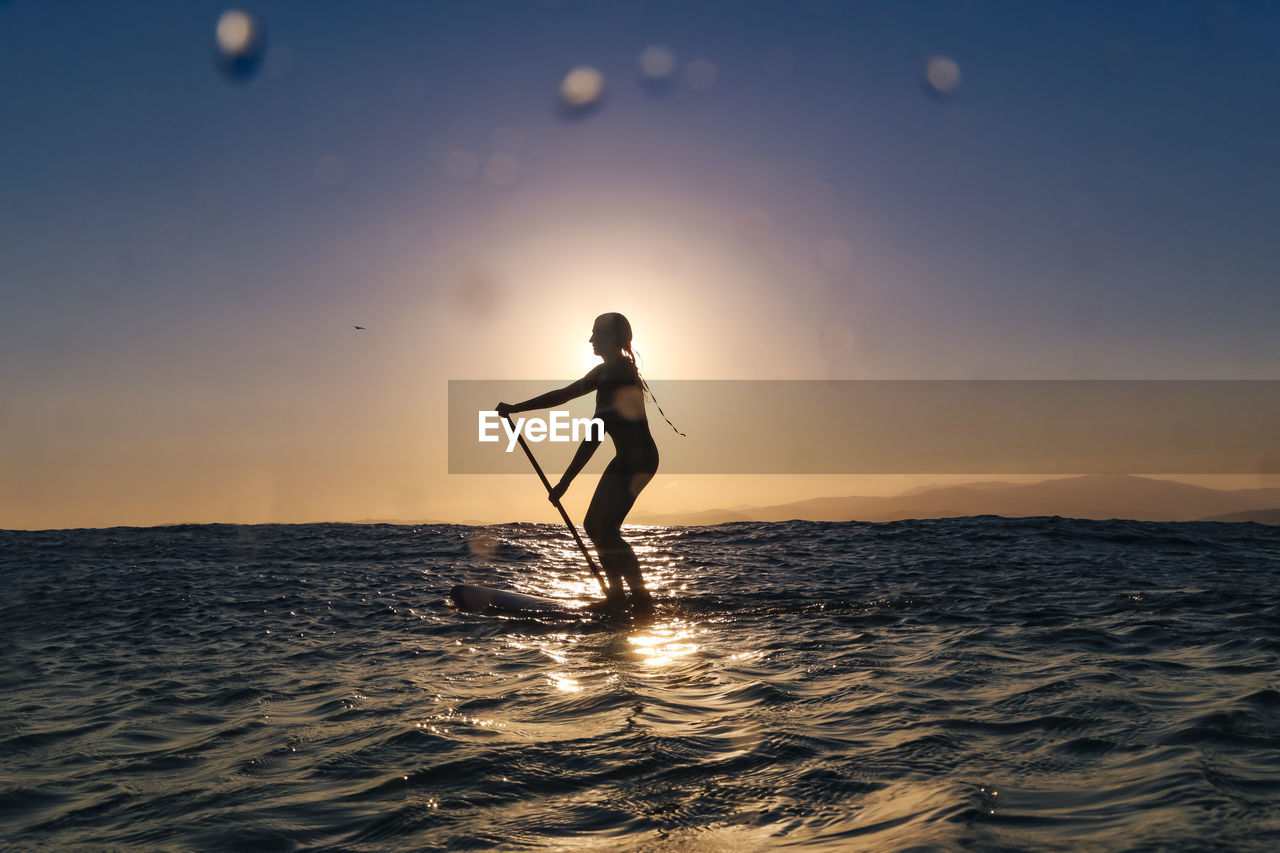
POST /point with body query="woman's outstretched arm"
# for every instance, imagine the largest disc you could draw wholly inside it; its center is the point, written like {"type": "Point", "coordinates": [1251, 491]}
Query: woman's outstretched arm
{"type": "Point", "coordinates": [552, 398]}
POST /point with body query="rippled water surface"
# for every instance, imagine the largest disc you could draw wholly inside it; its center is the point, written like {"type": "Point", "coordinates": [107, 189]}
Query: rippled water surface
{"type": "Point", "coordinates": [965, 684]}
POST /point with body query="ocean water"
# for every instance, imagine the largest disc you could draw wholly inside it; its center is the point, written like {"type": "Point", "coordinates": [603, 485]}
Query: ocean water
{"type": "Point", "coordinates": [960, 684]}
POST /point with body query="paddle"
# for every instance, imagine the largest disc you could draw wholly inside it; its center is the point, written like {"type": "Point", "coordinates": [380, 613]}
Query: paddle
{"type": "Point", "coordinates": [572, 529]}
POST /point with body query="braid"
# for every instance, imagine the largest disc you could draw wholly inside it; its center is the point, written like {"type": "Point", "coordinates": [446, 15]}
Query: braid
{"type": "Point", "coordinates": [622, 339]}
{"type": "Point", "coordinates": [631, 356]}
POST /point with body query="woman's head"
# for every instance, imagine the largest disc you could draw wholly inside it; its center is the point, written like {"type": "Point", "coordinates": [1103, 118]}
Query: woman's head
{"type": "Point", "coordinates": [611, 333]}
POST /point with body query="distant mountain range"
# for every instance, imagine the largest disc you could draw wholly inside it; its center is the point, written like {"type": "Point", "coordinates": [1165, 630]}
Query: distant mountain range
{"type": "Point", "coordinates": [1094, 496]}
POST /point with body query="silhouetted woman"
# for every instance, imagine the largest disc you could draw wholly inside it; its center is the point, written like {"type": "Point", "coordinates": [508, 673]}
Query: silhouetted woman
{"type": "Point", "coordinates": [620, 404]}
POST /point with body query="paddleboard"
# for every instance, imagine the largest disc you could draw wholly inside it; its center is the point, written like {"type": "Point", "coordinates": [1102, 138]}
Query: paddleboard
{"type": "Point", "coordinates": [469, 597]}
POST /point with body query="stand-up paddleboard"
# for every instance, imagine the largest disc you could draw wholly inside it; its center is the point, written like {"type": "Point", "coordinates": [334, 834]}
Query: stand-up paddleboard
{"type": "Point", "coordinates": [470, 597]}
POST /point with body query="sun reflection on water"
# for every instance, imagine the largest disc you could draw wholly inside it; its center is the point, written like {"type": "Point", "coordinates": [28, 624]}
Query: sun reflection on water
{"type": "Point", "coordinates": [563, 573]}
{"type": "Point", "coordinates": [662, 643]}
{"type": "Point", "coordinates": [563, 682]}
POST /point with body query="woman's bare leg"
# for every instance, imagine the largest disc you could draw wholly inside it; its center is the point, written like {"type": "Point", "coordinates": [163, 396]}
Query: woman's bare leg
{"type": "Point", "coordinates": [613, 499]}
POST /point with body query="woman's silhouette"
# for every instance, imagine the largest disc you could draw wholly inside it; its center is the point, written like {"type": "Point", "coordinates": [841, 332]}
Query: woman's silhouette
{"type": "Point", "coordinates": [620, 405]}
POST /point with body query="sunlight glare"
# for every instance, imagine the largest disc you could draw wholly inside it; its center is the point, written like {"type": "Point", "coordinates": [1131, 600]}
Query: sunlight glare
{"type": "Point", "coordinates": [662, 644]}
{"type": "Point", "coordinates": [564, 682]}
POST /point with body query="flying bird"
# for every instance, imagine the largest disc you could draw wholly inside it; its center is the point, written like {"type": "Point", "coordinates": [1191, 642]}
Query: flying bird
{"type": "Point", "coordinates": [360, 327]}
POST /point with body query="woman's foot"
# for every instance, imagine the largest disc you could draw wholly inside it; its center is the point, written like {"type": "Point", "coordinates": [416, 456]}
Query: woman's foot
{"type": "Point", "coordinates": [615, 604]}
{"type": "Point", "coordinates": [641, 600]}
{"type": "Point", "coordinates": [642, 607]}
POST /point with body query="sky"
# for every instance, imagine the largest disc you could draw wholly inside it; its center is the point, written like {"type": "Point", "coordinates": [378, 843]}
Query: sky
{"type": "Point", "coordinates": [1077, 190]}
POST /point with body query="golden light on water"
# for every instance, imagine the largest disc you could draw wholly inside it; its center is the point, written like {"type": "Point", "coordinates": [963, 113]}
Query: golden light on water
{"type": "Point", "coordinates": [575, 587]}
{"type": "Point", "coordinates": [661, 644]}
{"type": "Point", "coordinates": [563, 682]}
{"type": "Point", "coordinates": [657, 644]}
{"type": "Point", "coordinates": [548, 646]}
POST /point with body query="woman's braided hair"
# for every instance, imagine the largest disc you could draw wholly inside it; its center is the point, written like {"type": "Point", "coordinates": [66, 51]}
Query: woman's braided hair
{"type": "Point", "coordinates": [622, 338]}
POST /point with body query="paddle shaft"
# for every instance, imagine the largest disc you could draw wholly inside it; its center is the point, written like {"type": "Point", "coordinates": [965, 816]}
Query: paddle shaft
{"type": "Point", "coordinates": [568, 522]}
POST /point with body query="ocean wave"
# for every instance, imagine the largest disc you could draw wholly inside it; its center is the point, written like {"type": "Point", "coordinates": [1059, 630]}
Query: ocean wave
{"type": "Point", "coordinates": [958, 684]}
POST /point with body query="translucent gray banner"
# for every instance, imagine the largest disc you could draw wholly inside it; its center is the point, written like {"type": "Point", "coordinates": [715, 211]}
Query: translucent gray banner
{"type": "Point", "coordinates": [911, 427]}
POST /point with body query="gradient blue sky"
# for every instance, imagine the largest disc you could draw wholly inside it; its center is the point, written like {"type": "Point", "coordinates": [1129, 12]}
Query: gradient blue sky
{"type": "Point", "coordinates": [182, 256]}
